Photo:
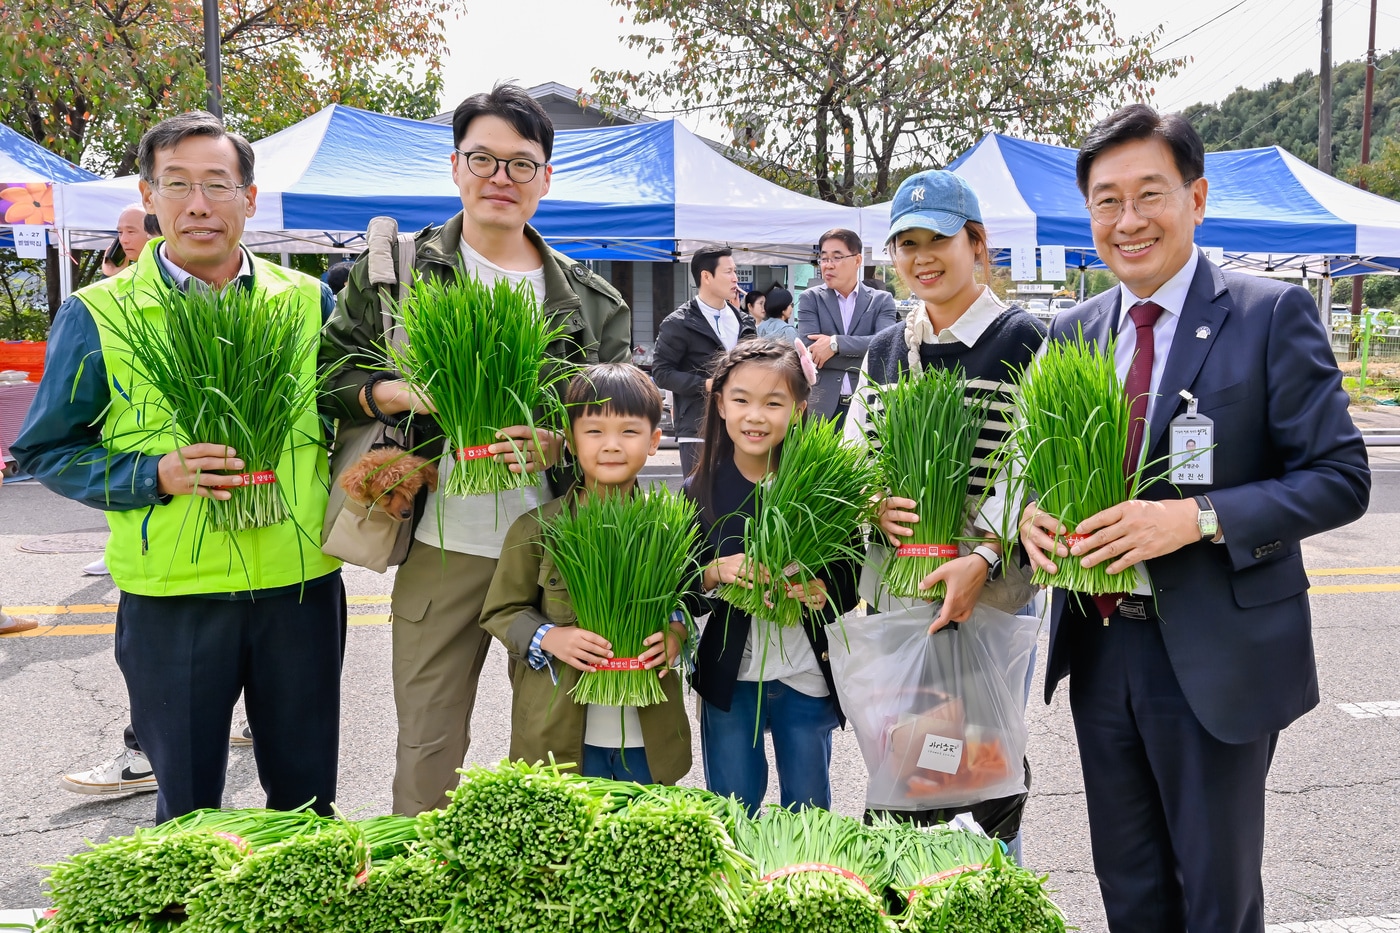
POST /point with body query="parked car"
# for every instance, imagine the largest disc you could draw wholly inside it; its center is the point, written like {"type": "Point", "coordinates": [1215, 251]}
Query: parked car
{"type": "Point", "coordinates": [1062, 304]}
{"type": "Point", "coordinates": [1037, 304]}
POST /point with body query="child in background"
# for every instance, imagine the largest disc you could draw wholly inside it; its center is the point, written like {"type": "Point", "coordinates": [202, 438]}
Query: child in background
{"type": "Point", "coordinates": [759, 387]}
{"type": "Point", "coordinates": [614, 426]}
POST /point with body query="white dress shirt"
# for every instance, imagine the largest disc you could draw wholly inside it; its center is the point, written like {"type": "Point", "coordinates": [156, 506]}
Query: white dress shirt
{"type": "Point", "coordinates": [724, 322]}
{"type": "Point", "coordinates": [1171, 297]}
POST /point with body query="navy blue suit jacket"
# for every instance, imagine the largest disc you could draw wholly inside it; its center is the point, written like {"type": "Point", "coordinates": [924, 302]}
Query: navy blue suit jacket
{"type": "Point", "coordinates": [1289, 463]}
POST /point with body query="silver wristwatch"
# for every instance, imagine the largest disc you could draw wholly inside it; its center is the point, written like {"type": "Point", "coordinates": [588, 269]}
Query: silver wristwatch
{"type": "Point", "coordinates": [832, 344]}
{"type": "Point", "coordinates": [1206, 519]}
{"type": "Point", "coordinates": [992, 558]}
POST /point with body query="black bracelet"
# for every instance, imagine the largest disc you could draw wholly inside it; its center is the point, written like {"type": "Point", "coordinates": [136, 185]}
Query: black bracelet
{"type": "Point", "coordinates": [370, 403]}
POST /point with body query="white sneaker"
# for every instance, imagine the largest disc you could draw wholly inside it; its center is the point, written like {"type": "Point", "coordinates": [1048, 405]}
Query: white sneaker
{"type": "Point", "coordinates": [97, 568]}
{"type": "Point", "coordinates": [128, 773]}
{"type": "Point", "coordinates": [241, 737]}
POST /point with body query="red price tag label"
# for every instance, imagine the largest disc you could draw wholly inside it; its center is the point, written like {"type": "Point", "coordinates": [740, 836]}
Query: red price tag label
{"type": "Point", "coordinates": [474, 453]}
{"type": "Point", "coordinates": [926, 550]}
{"type": "Point", "coordinates": [620, 664]}
{"type": "Point", "coordinates": [261, 478]}
{"type": "Point", "coordinates": [941, 876]}
{"type": "Point", "coordinates": [1072, 540]}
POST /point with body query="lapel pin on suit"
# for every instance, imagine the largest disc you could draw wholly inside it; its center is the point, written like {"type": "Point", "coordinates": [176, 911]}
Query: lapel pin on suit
{"type": "Point", "coordinates": [1202, 333]}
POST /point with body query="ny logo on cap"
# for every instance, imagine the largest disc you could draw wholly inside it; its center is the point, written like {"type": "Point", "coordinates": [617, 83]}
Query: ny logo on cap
{"type": "Point", "coordinates": [917, 194]}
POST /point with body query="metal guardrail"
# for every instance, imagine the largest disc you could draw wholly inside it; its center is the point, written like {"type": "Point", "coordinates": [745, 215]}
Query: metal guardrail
{"type": "Point", "coordinates": [1380, 437]}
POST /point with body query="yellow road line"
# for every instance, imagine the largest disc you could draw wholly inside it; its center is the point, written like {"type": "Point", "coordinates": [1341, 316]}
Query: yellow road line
{"type": "Point", "coordinates": [105, 608]}
{"type": "Point", "coordinates": [1355, 572]}
{"type": "Point", "coordinates": [383, 618]}
{"type": "Point", "coordinates": [108, 628]}
{"type": "Point", "coordinates": [1357, 588]}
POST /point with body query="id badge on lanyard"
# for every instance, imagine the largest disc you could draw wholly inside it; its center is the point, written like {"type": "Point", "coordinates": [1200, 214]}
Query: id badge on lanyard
{"type": "Point", "coordinates": [1192, 446]}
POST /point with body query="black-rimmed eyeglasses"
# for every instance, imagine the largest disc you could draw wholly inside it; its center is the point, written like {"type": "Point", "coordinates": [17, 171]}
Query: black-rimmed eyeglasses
{"type": "Point", "coordinates": [484, 165]}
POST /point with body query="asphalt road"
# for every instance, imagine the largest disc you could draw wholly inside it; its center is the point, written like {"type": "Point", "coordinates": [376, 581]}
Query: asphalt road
{"type": "Point", "coordinates": [1333, 845]}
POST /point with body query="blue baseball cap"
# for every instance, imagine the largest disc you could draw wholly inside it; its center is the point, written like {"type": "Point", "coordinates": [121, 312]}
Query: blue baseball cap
{"type": "Point", "coordinates": [933, 200]}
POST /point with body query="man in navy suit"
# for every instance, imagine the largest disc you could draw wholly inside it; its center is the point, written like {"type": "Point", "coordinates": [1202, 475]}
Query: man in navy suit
{"type": "Point", "coordinates": [1179, 690]}
{"type": "Point", "coordinates": [837, 319]}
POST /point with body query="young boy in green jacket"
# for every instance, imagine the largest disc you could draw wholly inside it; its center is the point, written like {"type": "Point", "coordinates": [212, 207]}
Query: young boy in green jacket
{"type": "Point", "coordinates": [614, 426]}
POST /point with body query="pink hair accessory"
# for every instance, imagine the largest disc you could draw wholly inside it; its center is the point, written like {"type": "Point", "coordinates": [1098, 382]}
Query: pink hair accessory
{"type": "Point", "coordinates": [809, 368]}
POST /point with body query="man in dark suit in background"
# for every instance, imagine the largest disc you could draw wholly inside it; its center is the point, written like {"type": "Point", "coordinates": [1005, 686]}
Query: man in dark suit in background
{"type": "Point", "coordinates": [1179, 690]}
{"type": "Point", "coordinates": [837, 319]}
{"type": "Point", "coordinates": [691, 337]}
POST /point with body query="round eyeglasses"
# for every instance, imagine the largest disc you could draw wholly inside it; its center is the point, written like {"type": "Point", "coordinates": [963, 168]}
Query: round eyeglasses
{"type": "Point", "coordinates": [1107, 210]}
{"type": "Point", "coordinates": [484, 165]}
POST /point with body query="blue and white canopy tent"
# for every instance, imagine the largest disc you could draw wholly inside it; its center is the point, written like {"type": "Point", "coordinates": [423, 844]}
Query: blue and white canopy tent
{"type": "Point", "coordinates": [1267, 210]}
{"type": "Point", "coordinates": [31, 182]}
{"type": "Point", "coordinates": [652, 191]}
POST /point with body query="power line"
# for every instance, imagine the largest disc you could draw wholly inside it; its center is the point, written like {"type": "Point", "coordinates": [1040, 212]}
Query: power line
{"type": "Point", "coordinates": [1202, 26]}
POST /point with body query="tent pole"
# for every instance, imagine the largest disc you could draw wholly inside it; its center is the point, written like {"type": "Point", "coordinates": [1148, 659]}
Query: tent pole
{"type": "Point", "coordinates": [1325, 296]}
{"type": "Point", "coordinates": [65, 265]}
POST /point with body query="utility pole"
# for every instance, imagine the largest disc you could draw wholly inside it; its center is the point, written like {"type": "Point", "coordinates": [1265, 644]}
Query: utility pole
{"type": "Point", "coordinates": [1324, 110]}
{"type": "Point", "coordinates": [213, 75]}
{"type": "Point", "coordinates": [1358, 282]}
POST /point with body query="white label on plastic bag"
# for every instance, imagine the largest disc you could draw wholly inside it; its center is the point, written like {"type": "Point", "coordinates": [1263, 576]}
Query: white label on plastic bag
{"type": "Point", "coordinates": [941, 754]}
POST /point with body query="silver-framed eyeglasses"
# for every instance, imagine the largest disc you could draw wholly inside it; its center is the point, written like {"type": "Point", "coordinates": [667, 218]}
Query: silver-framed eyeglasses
{"type": "Point", "coordinates": [1149, 204]}
{"type": "Point", "coordinates": [833, 260]}
{"type": "Point", "coordinates": [177, 189]}
{"type": "Point", "coordinates": [484, 165]}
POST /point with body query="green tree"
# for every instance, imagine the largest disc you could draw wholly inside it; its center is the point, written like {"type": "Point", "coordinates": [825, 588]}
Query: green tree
{"type": "Point", "coordinates": [87, 78]}
{"type": "Point", "coordinates": [844, 92]}
{"type": "Point", "coordinates": [1382, 174]}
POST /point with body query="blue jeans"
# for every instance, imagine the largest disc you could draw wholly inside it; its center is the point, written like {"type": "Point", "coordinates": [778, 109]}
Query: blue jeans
{"type": "Point", "coordinates": [599, 761]}
{"type": "Point", "coordinates": [737, 764]}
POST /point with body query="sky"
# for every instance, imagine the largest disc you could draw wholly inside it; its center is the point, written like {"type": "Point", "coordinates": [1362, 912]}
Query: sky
{"type": "Point", "coordinates": [1233, 43]}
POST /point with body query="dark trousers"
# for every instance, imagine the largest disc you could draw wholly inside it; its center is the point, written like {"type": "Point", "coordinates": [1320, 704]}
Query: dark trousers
{"type": "Point", "coordinates": [129, 737]}
{"type": "Point", "coordinates": [1176, 816]}
{"type": "Point", "coordinates": [185, 660]}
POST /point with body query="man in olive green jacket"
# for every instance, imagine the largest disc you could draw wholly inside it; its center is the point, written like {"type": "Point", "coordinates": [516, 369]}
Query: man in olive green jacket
{"type": "Point", "coordinates": [500, 163]}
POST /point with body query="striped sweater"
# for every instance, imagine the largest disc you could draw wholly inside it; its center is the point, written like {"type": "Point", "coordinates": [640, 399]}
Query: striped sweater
{"type": "Point", "coordinates": [992, 366]}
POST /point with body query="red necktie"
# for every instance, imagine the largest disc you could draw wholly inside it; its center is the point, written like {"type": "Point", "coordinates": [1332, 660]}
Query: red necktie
{"type": "Point", "coordinates": [1137, 387]}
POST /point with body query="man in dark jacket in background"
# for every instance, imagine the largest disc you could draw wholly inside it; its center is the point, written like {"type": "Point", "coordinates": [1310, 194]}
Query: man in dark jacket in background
{"type": "Point", "coordinates": [691, 337]}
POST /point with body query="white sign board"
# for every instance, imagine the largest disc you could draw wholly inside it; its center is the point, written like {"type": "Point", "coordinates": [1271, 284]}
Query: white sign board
{"type": "Point", "coordinates": [30, 240]}
{"type": "Point", "coordinates": [1023, 264]}
{"type": "Point", "coordinates": [1052, 263]}
{"type": "Point", "coordinates": [1215, 254]}
{"type": "Point", "coordinates": [1038, 289]}
{"type": "Point", "coordinates": [745, 274]}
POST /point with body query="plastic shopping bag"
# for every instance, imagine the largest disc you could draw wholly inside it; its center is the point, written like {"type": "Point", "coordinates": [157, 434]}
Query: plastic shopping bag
{"type": "Point", "coordinates": [938, 717]}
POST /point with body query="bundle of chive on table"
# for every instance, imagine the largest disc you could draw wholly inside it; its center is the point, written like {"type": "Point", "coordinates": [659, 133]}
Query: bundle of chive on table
{"type": "Point", "coordinates": [530, 848]}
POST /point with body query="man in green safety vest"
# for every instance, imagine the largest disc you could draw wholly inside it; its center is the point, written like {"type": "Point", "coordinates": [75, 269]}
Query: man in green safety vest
{"type": "Point", "coordinates": [203, 615]}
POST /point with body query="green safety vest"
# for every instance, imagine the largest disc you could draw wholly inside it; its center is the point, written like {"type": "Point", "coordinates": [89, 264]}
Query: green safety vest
{"type": "Point", "coordinates": [168, 550]}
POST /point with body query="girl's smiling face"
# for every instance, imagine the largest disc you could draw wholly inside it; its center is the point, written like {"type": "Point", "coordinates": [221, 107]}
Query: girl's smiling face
{"type": "Point", "coordinates": [757, 406]}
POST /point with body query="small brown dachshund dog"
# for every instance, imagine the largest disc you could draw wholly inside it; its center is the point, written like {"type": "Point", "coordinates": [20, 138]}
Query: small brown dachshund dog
{"type": "Point", "coordinates": [388, 479]}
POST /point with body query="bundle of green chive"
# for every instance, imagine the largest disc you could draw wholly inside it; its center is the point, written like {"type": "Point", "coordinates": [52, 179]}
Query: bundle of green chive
{"type": "Point", "coordinates": [480, 353]}
{"type": "Point", "coordinates": [808, 515]}
{"type": "Point", "coordinates": [660, 861]}
{"type": "Point", "coordinates": [300, 882]}
{"type": "Point", "coordinates": [818, 870]}
{"type": "Point", "coordinates": [231, 367]}
{"type": "Point", "coordinates": [954, 880]}
{"type": "Point", "coordinates": [1070, 444]}
{"type": "Point", "coordinates": [928, 429]}
{"type": "Point", "coordinates": [624, 600]}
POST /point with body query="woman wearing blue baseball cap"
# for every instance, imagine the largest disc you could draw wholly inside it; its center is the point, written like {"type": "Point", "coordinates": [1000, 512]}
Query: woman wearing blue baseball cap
{"type": "Point", "coordinates": [938, 244]}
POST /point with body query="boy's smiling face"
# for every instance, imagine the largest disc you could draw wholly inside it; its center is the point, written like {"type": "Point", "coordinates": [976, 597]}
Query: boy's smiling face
{"type": "Point", "coordinates": [611, 448]}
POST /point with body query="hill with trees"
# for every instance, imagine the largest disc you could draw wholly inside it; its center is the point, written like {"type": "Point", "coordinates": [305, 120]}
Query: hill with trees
{"type": "Point", "coordinates": [1284, 113]}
